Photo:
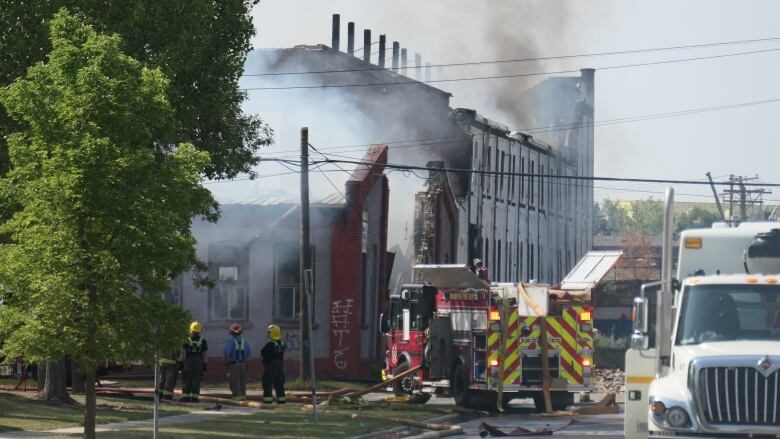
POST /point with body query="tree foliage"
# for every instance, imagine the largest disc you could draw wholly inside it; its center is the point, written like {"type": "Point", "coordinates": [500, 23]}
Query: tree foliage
{"type": "Point", "coordinates": [200, 45]}
{"type": "Point", "coordinates": [616, 218]}
{"type": "Point", "coordinates": [105, 206]}
{"type": "Point", "coordinates": [695, 218]}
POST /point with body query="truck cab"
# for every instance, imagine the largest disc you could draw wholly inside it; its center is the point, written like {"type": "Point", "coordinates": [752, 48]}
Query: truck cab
{"type": "Point", "coordinates": [720, 372]}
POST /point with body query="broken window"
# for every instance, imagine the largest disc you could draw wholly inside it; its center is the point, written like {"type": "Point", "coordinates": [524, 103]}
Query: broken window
{"type": "Point", "coordinates": [287, 280]}
{"type": "Point", "coordinates": [228, 297]}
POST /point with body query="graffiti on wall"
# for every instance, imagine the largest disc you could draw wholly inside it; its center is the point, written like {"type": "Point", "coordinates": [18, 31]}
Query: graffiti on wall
{"type": "Point", "coordinates": [292, 341]}
{"type": "Point", "coordinates": [340, 313]}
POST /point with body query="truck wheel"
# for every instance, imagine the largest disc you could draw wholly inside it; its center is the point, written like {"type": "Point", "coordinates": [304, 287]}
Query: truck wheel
{"type": "Point", "coordinates": [405, 387]}
{"type": "Point", "coordinates": [460, 386]}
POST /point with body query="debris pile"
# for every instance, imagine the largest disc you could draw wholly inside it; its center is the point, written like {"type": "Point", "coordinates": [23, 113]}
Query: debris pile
{"type": "Point", "coordinates": [608, 380]}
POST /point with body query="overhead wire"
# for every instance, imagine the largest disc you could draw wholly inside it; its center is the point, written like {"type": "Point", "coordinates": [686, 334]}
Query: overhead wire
{"type": "Point", "coordinates": [531, 59]}
{"type": "Point", "coordinates": [514, 75]}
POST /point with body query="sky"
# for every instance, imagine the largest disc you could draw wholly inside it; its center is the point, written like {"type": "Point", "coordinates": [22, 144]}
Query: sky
{"type": "Point", "coordinates": [736, 141]}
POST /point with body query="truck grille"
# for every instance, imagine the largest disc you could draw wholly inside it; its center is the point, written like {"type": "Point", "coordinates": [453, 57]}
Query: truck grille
{"type": "Point", "coordinates": [737, 395]}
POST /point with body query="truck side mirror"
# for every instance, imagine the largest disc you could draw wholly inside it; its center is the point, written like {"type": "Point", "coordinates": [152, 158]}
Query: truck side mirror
{"type": "Point", "coordinates": [639, 339]}
{"type": "Point", "coordinates": [384, 324]}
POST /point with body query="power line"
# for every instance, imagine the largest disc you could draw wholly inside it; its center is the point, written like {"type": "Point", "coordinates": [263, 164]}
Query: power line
{"type": "Point", "coordinates": [533, 59]}
{"type": "Point", "coordinates": [546, 176]}
{"type": "Point", "coordinates": [515, 75]}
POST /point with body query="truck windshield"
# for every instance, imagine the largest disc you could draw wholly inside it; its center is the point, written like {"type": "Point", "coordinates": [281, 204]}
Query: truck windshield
{"type": "Point", "coordinates": [712, 313]}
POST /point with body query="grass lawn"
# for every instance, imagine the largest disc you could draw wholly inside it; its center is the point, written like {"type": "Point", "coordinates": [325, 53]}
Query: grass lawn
{"type": "Point", "coordinates": [20, 412]}
{"type": "Point", "coordinates": [284, 422]}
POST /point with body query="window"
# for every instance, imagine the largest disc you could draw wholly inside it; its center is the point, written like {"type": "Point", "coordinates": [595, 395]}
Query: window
{"type": "Point", "coordinates": [520, 262]}
{"type": "Point", "coordinates": [498, 264]}
{"type": "Point", "coordinates": [370, 285]}
{"type": "Point", "coordinates": [513, 178]}
{"type": "Point", "coordinates": [531, 266]}
{"type": "Point", "coordinates": [228, 296]}
{"type": "Point", "coordinates": [531, 183]}
{"type": "Point", "coordinates": [287, 280]}
{"type": "Point", "coordinates": [501, 187]}
{"type": "Point", "coordinates": [495, 176]}
{"type": "Point", "coordinates": [522, 179]}
{"type": "Point", "coordinates": [489, 168]}
{"type": "Point", "coordinates": [486, 255]}
{"type": "Point", "coordinates": [493, 261]}
{"type": "Point", "coordinates": [509, 263]}
{"type": "Point", "coordinates": [174, 295]}
{"type": "Point", "coordinates": [541, 186]}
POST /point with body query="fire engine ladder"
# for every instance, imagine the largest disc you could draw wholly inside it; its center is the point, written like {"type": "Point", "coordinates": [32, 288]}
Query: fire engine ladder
{"type": "Point", "coordinates": [428, 223]}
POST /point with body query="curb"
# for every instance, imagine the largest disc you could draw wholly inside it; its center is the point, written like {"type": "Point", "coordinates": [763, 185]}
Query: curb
{"type": "Point", "coordinates": [398, 431]}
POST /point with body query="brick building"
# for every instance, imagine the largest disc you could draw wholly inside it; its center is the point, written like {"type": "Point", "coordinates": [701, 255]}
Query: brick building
{"type": "Point", "coordinates": [253, 254]}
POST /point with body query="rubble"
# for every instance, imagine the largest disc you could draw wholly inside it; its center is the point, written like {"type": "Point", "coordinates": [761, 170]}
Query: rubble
{"type": "Point", "coordinates": [608, 380]}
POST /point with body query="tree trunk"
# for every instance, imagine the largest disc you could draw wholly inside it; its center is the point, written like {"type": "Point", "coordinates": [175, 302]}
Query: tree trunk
{"type": "Point", "coordinates": [90, 403]}
{"type": "Point", "coordinates": [41, 379]}
{"type": "Point", "coordinates": [46, 385]}
{"type": "Point", "coordinates": [60, 382]}
{"type": "Point", "coordinates": [51, 382]}
{"type": "Point", "coordinates": [76, 377]}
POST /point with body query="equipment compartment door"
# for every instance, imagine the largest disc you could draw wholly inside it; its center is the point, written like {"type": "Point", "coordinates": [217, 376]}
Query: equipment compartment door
{"type": "Point", "coordinates": [440, 347]}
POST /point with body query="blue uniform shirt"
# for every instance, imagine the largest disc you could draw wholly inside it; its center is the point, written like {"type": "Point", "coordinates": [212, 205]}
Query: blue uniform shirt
{"type": "Point", "coordinates": [237, 349]}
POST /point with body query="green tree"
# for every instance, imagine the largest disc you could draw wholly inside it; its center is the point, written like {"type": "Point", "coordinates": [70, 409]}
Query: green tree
{"type": "Point", "coordinates": [697, 217]}
{"type": "Point", "coordinates": [647, 217]}
{"type": "Point", "coordinates": [616, 217]}
{"type": "Point", "coordinates": [201, 45]}
{"type": "Point", "coordinates": [105, 207]}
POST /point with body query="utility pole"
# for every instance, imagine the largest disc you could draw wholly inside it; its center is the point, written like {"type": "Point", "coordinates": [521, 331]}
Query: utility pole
{"type": "Point", "coordinates": [747, 198]}
{"type": "Point", "coordinates": [717, 199]}
{"type": "Point", "coordinates": [305, 263]}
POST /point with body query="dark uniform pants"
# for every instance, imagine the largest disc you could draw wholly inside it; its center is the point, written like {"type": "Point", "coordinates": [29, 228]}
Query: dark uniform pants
{"type": "Point", "coordinates": [193, 375]}
{"type": "Point", "coordinates": [237, 373]}
{"type": "Point", "coordinates": [168, 375]}
{"type": "Point", "coordinates": [273, 379]}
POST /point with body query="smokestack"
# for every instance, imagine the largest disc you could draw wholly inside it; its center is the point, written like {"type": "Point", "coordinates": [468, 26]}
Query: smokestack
{"type": "Point", "coordinates": [336, 32]}
{"type": "Point", "coordinates": [351, 38]}
{"type": "Point", "coordinates": [396, 49]}
{"type": "Point", "coordinates": [403, 62]}
{"type": "Point", "coordinates": [367, 45]}
{"type": "Point", "coordinates": [382, 51]}
{"type": "Point", "coordinates": [417, 66]}
{"type": "Point", "coordinates": [427, 72]}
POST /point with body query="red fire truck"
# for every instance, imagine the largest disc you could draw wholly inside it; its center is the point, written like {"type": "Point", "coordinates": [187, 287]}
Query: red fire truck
{"type": "Point", "coordinates": [479, 342]}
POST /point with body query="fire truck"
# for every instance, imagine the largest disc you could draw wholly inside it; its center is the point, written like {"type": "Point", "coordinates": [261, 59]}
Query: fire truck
{"type": "Point", "coordinates": [481, 342]}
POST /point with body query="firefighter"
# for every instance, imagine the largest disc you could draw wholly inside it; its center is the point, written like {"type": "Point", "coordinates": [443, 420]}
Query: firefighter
{"type": "Point", "coordinates": [237, 352]}
{"type": "Point", "coordinates": [273, 362]}
{"type": "Point", "coordinates": [169, 372]}
{"type": "Point", "coordinates": [195, 360]}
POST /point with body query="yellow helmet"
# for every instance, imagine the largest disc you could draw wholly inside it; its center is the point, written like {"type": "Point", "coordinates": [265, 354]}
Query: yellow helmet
{"type": "Point", "coordinates": [195, 328]}
{"type": "Point", "coordinates": [274, 332]}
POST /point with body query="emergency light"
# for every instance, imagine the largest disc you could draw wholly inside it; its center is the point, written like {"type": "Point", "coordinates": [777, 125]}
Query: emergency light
{"type": "Point", "coordinates": [495, 315]}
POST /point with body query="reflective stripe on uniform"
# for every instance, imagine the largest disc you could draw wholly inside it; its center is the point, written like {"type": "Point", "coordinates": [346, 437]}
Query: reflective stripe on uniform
{"type": "Point", "coordinates": [268, 399]}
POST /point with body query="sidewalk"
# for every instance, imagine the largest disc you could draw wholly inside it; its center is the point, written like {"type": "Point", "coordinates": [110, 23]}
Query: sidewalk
{"type": "Point", "coordinates": [203, 415]}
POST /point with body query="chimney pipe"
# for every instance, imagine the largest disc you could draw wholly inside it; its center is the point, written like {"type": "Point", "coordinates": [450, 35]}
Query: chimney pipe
{"type": "Point", "coordinates": [427, 72]}
{"type": "Point", "coordinates": [382, 43]}
{"type": "Point", "coordinates": [351, 38]}
{"type": "Point", "coordinates": [417, 66]}
{"type": "Point", "coordinates": [336, 32]}
{"type": "Point", "coordinates": [403, 62]}
{"type": "Point", "coordinates": [396, 50]}
{"type": "Point", "coordinates": [367, 45]}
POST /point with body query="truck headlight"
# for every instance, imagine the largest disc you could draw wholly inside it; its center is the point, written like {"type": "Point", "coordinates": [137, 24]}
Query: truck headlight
{"type": "Point", "coordinates": [678, 418]}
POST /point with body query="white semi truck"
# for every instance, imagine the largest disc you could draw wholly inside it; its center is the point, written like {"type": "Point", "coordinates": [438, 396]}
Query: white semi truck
{"type": "Point", "coordinates": [707, 364]}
